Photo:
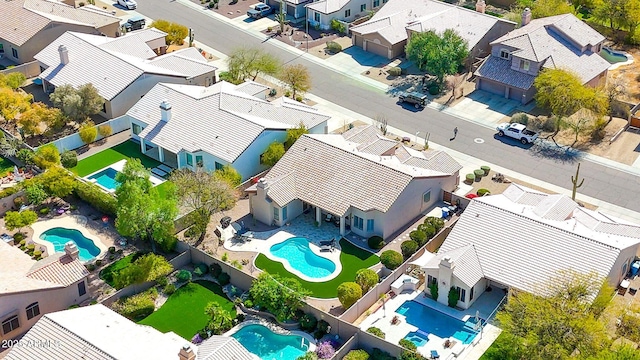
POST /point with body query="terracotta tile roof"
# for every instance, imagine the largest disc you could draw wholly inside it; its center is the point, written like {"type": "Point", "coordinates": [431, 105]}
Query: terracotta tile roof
{"type": "Point", "coordinates": [14, 265]}
{"type": "Point", "coordinates": [58, 268]}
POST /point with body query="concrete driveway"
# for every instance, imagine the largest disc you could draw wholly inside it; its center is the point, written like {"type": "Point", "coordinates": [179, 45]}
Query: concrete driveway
{"type": "Point", "coordinates": [356, 60]}
{"type": "Point", "coordinates": [486, 108]}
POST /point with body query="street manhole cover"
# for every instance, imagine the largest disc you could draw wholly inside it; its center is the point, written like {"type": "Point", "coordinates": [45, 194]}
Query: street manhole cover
{"type": "Point", "coordinates": [478, 141]}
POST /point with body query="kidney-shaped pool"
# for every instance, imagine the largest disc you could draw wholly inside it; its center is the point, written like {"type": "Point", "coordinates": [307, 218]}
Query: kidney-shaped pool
{"type": "Point", "coordinates": [59, 236]}
{"type": "Point", "coordinates": [259, 340]}
{"type": "Point", "coordinates": [298, 254]}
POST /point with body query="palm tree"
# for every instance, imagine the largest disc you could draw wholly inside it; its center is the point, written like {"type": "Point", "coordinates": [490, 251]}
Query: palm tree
{"type": "Point", "coordinates": [220, 321]}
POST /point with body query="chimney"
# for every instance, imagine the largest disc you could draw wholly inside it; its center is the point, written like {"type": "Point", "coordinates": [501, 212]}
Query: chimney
{"type": "Point", "coordinates": [165, 111]}
{"type": "Point", "coordinates": [64, 55]}
{"type": "Point", "coordinates": [526, 16]}
{"type": "Point", "coordinates": [447, 262]}
{"type": "Point", "coordinates": [71, 249]}
{"type": "Point", "coordinates": [481, 6]}
{"type": "Point", "coordinates": [262, 183]}
{"type": "Point", "coordinates": [186, 353]}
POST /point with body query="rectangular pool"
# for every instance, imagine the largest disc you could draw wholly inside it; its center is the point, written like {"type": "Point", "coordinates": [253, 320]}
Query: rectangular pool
{"type": "Point", "coordinates": [432, 321]}
{"type": "Point", "coordinates": [106, 178]}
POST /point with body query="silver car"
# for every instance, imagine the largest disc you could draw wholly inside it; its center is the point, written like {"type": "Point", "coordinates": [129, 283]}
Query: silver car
{"type": "Point", "coordinates": [128, 4]}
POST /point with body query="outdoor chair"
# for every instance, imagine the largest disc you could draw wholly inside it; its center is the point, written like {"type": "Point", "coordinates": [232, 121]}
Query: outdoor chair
{"type": "Point", "coordinates": [434, 354]}
{"type": "Point", "coordinates": [328, 218]}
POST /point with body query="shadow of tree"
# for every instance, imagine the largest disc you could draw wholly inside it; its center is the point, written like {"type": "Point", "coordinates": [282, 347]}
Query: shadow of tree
{"type": "Point", "coordinates": [561, 154]}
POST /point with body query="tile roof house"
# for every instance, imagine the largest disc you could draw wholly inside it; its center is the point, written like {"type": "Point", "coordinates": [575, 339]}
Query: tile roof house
{"type": "Point", "coordinates": [188, 126]}
{"type": "Point", "coordinates": [522, 238]}
{"type": "Point", "coordinates": [99, 333]}
{"type": "Point", "coordinates": [320, 13]}
{"type": "Point", "coordinates": [388, 30]}
{"type": "Point", "coordinates": [29, 288]}
{"type": "Point", "coordinates": [129, 66]}
{"type": "Point", "coordinates": [555, 42]}
{"type": "Point", "coordinates": [373, 185]}
{"type": "Point", "coordinates": [292, 8]}
{"type": "Point", "coordinates": [28, 26]}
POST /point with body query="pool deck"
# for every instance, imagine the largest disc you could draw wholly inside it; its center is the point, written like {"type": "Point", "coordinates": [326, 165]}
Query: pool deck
{"type": "Point", "coordinates": [394, 333]}
{"type": "Point", "coordinates": [118, 166]}
{"type": "Point", "coordinates": [76, 222]}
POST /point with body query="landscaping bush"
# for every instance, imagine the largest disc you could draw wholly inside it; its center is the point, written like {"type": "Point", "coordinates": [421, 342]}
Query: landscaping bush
{"type": "Point", "coordinates": [366, 279]}
{"type": "Point", "coordinates": [322, 330]}
{"type": "Point", "coordinates": [486, 169]}
{"type": "Point", "coordinates": [248, 303]}
{"type": "Point", "coordinates": [90, 267]}
{"type": "Point", "coordinates": [224, 279]}
{"type": "Point", "coordinates": [433, 89]}
{"type": "Point", "coordinates": [378, 354]}
{"type": "Point", "coordinates": [201, 270]}
{"type": "Point", "coordinates": [482, 192]}
{"type": "Point", "coordinates": [376, 331]}
{"type": "Point", "coordinates": [191, 232]}
{"type": "Point", "coordinates": [112, 249]}
{"type": "Point", "coordinates": [395, 71]}
{"type": "Point", "coordinates": [183, 275]}
{"type": "Point", "coordinates": [22, 242]}
{"type": "Point", "coordinates": [418, 236]}
{"type": "Point", "coordinates": [30, 247]}
{"type": "Point", "coordinates": [162, 281]}
{"type": "Point", "coordinates": [44, 211]}
{"type": "Point", "coordinates": [349, 293]}
{"type": "Point", "coordinates": [8, 192]}
{"type": "Point", "coordinates": [436, 222]}
{"type": "Point", "coordinates": [337, 26]}
{"type": "Point", "coordinates": [408, 248]}
{"type": "Point", "coordinates": [308, 356]}
{"type": "Point", "coordinates": [410, 355]}
{"type": "Point", "coordinates": [470, 177]}
{"type": "Point", "coordinates": [391, 259]}
{"type": "Point", "coordinates": [520, 118]}
{"type": "Point", "coordinates": [334, 47]}
{"type": "Point", "coordinates": [325, 350]}
{"type": "Point", "coordinates": [169, 289]}
{"type": "Point", "coordinates": [453, 297]}
{"type": "Point", "coordinates": [407, 344]}
{"type": "Point", "coordinates": [356, 355]}
{"type": "Point", "coordinates": [478, 173]}
{"type": "Point", "coordinates": [26, 156]}
{"type": "Point", "coordinates": [433, 290]}
{"type": "Point", "coordinates": [216, 269]}
{"type": "Point", "coordinates": [100, 200]}
{"type": "Point", "coordinates": [99, 262]}
{"type": "Point", "coordinates": [375, 242]}
{"type": "Point", "coordinates": [308, 322]}
{"type": "Point", "coordinates": [145, 268]}
{"type": "Point", "coordinates": [69, 159]}
{"type": "Point", "coordinates": [138, 306]}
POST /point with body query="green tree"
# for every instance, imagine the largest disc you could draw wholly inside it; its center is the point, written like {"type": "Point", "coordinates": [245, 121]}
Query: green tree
{"type": "Point", "coordinates": [613, 12]}
{"type": "Point", "coordinates": [88, 132]}
{"type": "Point", "coordinates": [408, 248]}
{"type": "Point", "coordinates": [349, 293]}
{"type": "Point", "coordinates": [142, 213]}
{"type": "Point", "coordinates": [47, 156]}
{"type": "Point", "coordinates": [203, 194]}
{"type": "Point", "coordinates": [545, 8]}
{"type": "Point", "coordinates": [297, 78]}
{"type": "Point", "coordinates": [274, 152]}
{"type": "Point", "coordinates": [366, 279]}
{"type": "Point", "coordinates": [58, 182]}
{"type": "Point", "coordinates": [220, 319]}
{"type": "Point", "coordinates": [31, 121]}
{"type": "Point", "coordinates": [91, 101]}
{"type": "Point", "coordinates": [294, 134]}
{"type": "Point", "coordinates": [248, 63]}
{"type": "Point", "coordinates": [280, 296]}
{"type": "Point", "coordinates": [439, 55]}
{"type": "Point", "coordinates": [149, 267]}
{"type": "Point", "coordinates": [35, 193]}
{"type": "Point", "coordinates": [391, 259]}
{"type": "Point", "coordinates": [19, 219]}
{"type": "Point", "coordinates": [69, 159]}
{"type": "Point", "coordinates": [78, 104]}
{"type": "Point", "coordinates": [176, 33]}
{"type": "Point", "coordinates": [13, 80]}
{"type": "Point", "coordinates": [229, 174]}
{"type": "Point", "coordinates": [624, 352]}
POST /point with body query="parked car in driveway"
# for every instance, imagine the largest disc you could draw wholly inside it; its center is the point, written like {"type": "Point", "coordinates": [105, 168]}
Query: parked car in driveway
{"type": "Point", "coordinates": [517, 131]}
{"type": "Point", "coordinates": [260, 10]}
{"type": "Point", "coordinates": [128, 4]}
{"type": "Point", "coordinates": [417, 99]}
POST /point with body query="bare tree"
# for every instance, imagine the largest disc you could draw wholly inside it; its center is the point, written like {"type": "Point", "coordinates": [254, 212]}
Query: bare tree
{"type": "Point", "coordinates": [455, 81]}
{"type": "Point", "coordinates": [614, 89]}
{"type": "Point", "coordinates": [381, 122]}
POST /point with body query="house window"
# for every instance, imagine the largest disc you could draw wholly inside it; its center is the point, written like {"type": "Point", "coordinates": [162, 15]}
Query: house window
{"type": "Point", "coordinates": [33, 310]}
{"type": "Point", "coordinates": [2, 50]}
{"type": "Point", "coordinates": [471, 294]}
{"type": "Point", "coordinates": [10, 324]}
{"type": "Point", "coordinates": [376, 3]}
{"type": "Point", "coordinates": [524, 65]}
{"type": "Point", "coordinates": [137, 129]}
{"type": "Point", "coordinates": [284, 213]}
{"type": "Point", "coordinates": [432, 280]}
{"type": "Point", "coordinates": [189, 159]}
{"type": "Point", "coordinates": [369, 224]}
{"type": "Point", "coordinates": [316, 17]}
{"type": "Point", "coordinates": [199, 161]}
{"type": "Point", "coordinates": [14, 52]}
{"type": "Point", "coordinates": [104, 107]}
{"type": "Point", "coordinates": [426, 197]}
{"type": "Point", "coordinates": [363, 7]}
{"type": "Point", "coordinates": [505, 54]}
{"type": "Point", "coordinates": [463, 294]}
{"type": "Point", "coordinates": [276, 214]}
{"type": "Point", "coordinates": [219, 166]}
{"type": "Point", "coordinates": [82, 289]}
{"type": "Point", "coordinates": [347, 13]}
{"type": "Point", "coordinates": [357, 222]}
{"type": "Point", "coordinates": [384, 1]}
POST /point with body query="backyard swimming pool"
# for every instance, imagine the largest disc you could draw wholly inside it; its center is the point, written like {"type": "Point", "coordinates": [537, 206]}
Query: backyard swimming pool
{"type": "Point", "coordinates": [268, 345]}
{"type": "Point", "coordinates": [106, 178]}
{"type": "Point", "coordinates": [432, 321]}
{"type": "Point", "coordinates": [298, 254]}
{"type": "Point", "coordinates": [59, 236]}
{"type": "Point", "coordinates": [613, 56]}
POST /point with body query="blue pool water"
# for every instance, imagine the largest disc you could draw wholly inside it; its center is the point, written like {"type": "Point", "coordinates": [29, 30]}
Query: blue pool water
{"type": "Point", "coordinates": [419, 338]}
{"type": "Point", "coordinates": [297, 252]}
{"type": "Point", "coordinates": [106, 178]}
{"type": "Point", "coordinates": [432, 321]}
{"type": "Point", "coordinates": [268, 345]}
{"type": "Point", "coordinates": [60, 236]}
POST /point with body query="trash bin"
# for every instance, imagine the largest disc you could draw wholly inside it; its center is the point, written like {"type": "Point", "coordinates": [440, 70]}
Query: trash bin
{"type": "Point", "coordinates": [635, 268]}
{"type": "Point", "coordinates": [445, 212]}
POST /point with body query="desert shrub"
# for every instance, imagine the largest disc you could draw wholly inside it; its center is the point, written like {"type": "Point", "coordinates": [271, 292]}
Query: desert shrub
{"type": "Point", "coordinates": [356, 355]}
{"type": "Point", "coordinates": [183, 275]}
{"type": "Point", "coordinates": [470, 177]}
{"type": "Point", "coordinates": [418, 236]}
{"type": "Point", "coordinates": [299, 98]}
{"type": "Point", "coordinates": [216, 269]}
{"type": "Point", "coordinates": [337, 26]}
{"type": "Point", "coordinates": [349, 293]}
{"type": "Point", "coordinates": [486, 169]}
{"type": "Point", "coordinates": [334, 47]}
{"type": "Point", "coordinates": [478, 173]}
{"type": "Point", "coordinates": [201, 270]}
{"type": "Point", "coordinates": [433, 89]}
{"type": "Point", "coordinates": [395, 71]}
{"type": "Point", "coordinates": [90, 267]}
{"type": "Point", "coordinates": [391, 259]}
{"type": "Point", "coordinates": [308, 322]}
{"type": "Point", "coordinates": [224, 279]}
{"type": "Point", "coordinates": [629, 327]}
{"type": "Point", "coordinates": [375, 242]}
{"type": "Point", "coordinates": [100, 200]}
{"type": "Point", "coordinates": [378, 354]}
{"type": "Point", "coordinates": [408, 248]}
{"type": "Point", "coordinates": [407, 344]}
{"type": "Point", "coordinates": [520, 118]}
{"type": "Point", "coordinates": [138, 306]}
{"type": "Point", "coordinates": [549, 124]}
{"type": "Point", "coordinates": [482, 192]}
{"type": "Point", "coordinates": [44, 211]}
{"type": "Point", "coordinates": [162, 281]}
{"type": "Point", "coordinates": [376, 331]}
{"type": "Point", "coordinates": [325, 350]}
{"type": "Point", "coordinates": [169, 289]}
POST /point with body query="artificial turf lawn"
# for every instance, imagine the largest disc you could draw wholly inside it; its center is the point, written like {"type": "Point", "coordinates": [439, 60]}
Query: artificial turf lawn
{"type": "Point", "coordinates": [352, 258]}
{"type": "Point", "coordinates": [107, 273]}
{"type": "Point", "coordinates": [124, 151]}
{"type": "Point", "coordinates": [5, 166]}
{"type": "Point", "coordinates": [183, 313]}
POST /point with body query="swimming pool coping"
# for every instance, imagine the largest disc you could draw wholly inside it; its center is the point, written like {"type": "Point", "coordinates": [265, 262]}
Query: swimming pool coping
{"type": "Point", "coordinates": [118, 166]}
{"type": "Point", "coordinates": [270, 326]}
{"type": "Point", "coordinates": [72, 222]}
{"type": "Point", "coordinates": [616, 65]}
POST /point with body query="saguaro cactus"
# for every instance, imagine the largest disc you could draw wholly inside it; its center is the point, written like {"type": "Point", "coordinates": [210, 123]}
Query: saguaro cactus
{"type": "Point", "coordinates": [575, 183]}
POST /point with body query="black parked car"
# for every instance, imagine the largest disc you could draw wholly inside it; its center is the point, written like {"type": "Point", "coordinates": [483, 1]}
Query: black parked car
{"type": "Point", "coordinates": [135, 23]}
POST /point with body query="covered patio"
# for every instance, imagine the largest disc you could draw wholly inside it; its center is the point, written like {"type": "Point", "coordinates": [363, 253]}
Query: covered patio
{"type": "Point", "coordinates": [158, 153]}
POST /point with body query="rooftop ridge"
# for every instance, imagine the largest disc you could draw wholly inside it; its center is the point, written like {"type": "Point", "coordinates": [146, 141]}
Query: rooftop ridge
{"type": "Point", "coordinates": [87, 343]}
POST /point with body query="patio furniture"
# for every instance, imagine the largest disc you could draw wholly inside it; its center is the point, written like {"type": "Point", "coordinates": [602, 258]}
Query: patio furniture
{"type": "Point", "coordinates": [331, 242]}
{"type": "Point", "coordinates": [632, 291]}
{"type": "Point", "coordinates": [165, 168]}
{"type": "Point", "coordinates": [434, 354]}
{"type": "Point", "coordinates": [328, 218]}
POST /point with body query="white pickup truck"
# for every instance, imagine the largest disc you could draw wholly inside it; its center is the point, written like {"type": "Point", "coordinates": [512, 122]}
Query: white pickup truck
{"type": "Point", "coordinates": [517, 131]}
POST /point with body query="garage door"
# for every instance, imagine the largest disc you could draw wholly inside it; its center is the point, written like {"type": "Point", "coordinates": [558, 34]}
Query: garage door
{"type": "Point", "coordinates": [516, 94]}
{"type": "Point", "coordinates": [377, 49]}
{"type": "Point", "coordinates": [358, 40]}
{"type": "Point", "coordinates": [491, 87]}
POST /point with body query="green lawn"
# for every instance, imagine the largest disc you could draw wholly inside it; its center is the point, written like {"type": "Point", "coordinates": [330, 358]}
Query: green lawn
{"type": "Point", "coordinates": [183, 313]}
{"type": "Point", "coordinates": [5, 166]}
{"type": "Point", "coordinates": [124, 151]}
{"type": "Point", "coordinates": [107, 273]}
{"type": "Point", "coordinates": [352, 258]}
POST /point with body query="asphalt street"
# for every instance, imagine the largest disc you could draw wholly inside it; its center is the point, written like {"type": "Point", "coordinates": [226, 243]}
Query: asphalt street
{"type": "Point", "coordinates": [548, 164]}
